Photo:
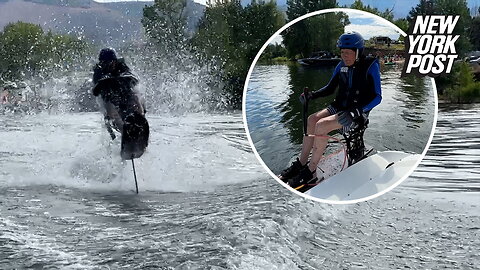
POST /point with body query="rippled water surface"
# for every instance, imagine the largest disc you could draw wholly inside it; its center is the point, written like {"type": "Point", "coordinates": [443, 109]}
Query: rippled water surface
{"type": "Point", "coordinates": [453, 161]}
{"type": "Point", "coordinates": [67, 202]}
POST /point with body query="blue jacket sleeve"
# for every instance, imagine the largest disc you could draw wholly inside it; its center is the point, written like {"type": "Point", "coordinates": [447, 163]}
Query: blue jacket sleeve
{"type": "Point", "coordinates": [330, 87]}
{"type": "Point", "coordinates": [374, 74]}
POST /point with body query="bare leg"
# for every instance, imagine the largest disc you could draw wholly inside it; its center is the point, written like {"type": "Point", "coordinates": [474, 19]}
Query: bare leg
{"type": "Point", "coordinates": [112, 113]}
{"type": "Point", "coordinates": [322, 128]}
{"type": "Point", "coordinates": [308, 141]}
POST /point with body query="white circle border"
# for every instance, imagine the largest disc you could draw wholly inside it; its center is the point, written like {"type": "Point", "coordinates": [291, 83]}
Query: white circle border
{"type": "Point", "coordinates": [346, 10]}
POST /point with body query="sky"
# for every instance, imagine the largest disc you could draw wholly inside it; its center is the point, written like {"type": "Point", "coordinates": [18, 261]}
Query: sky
{"type": "Point", "coordinates": [400, 7]}
{"type": "Point", "coordinates": [203, 2]}
{"type": "Point", "coordinates": [112, 1]}
{"type": "Point", "coordinates": [360, 23]}
{"type": "Point", "coordinates": [367, 25]}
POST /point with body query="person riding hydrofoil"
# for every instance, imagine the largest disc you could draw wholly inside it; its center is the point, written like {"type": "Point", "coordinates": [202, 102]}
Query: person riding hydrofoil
{"type": "Point", "coordinates": [359, 91]}
{"type": "Point", "coordinates": [114, 82]}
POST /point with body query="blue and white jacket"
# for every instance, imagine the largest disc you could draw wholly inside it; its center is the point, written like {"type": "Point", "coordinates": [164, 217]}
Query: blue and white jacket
{"type": "Point", "coordinates": [359, 86]}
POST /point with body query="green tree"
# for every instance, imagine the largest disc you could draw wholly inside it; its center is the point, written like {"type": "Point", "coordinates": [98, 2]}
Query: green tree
{"type": "Point", "coordinates": [387, 14]}
{"type": "Point", "coordinates": [219, 37]}
{"type": "Point", "coordinates": [458, 7]}
{"type": "Point", "coordinates": [25, 50]}
{"type": "Point", "coordinates": [297, 8]}
{"type": "Point", "coordinates": [464, 89]}
{"type": "Point", "coordinates": [402, 24]}
{"type": "Point", "coordinates": [18, 50]}
{"type": "Point", "coordinates": [448, 7]}
{"type": "Point", "coordinates": [424, 7]}
{"type": "Point", "coordinates": [314, 33]}
{"type": "Point", "coordinates": [475, 33]}
{"type": "Point", "coordinates": [273, 51]}
{"type": "Point", "coordinates": [451, 86]}
{"type": "Point", "coordinates": [230, 36]}
{"type": "Point", "coordinates": [262, 19]}
{"type": "Point", "coordinates": [165, 24]}
{"type": "Point", "coordinates": [311, 34]}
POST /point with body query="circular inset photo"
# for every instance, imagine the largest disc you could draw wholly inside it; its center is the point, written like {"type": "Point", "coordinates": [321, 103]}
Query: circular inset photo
{"type": "Point", "coordinates": [328, 112]}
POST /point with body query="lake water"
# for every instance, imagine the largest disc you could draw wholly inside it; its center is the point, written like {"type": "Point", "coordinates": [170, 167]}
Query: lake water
{"type": "Point", "coordinates": [68, 202]}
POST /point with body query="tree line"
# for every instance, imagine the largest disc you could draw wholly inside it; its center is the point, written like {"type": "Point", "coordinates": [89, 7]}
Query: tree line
{"type": "Point", "coordinates": [26, 50]}
{"type": "Point", "coordinates": [230, 34]}
{"type": "Point", "coordinates": [228, 37]}
{"type": "Point", "coordinates": [461, 85]}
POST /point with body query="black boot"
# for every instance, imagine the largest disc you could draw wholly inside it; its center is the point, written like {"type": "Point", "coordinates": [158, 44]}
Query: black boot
{"type": "Point", "coordinates": [291, 171]}
{"type": "Point", "coordinates": [304, 180]}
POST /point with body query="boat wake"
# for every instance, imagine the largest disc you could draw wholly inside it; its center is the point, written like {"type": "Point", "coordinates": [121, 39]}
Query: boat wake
{"type": "Point", "coordinates": [187, 153]}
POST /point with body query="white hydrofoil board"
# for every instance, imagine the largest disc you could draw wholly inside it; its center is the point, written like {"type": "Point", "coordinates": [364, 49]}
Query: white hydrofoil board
{"type": "Point", "coordinates": [365, 178]}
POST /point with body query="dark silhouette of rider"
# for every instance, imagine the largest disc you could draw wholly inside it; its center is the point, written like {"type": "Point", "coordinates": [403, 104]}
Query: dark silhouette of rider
{"type": "Point", "coordinates": [114, 82]}
{"type": "Point", "coordinates": [123, 110]}
{"type": "Point", "coordinates": [109, 65]}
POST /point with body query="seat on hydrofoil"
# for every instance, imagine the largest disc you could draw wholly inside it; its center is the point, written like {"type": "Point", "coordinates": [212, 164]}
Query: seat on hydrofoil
{"type": "Point", "coordinates": [356, 149]}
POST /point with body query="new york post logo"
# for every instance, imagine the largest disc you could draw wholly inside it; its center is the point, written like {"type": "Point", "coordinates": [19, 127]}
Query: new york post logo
{"type": "Point", "coordinates": [431, 46]}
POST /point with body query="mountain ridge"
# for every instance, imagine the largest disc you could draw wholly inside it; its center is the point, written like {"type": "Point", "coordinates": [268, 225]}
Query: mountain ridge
{"type": "Point", "coordinates": [104, 23]}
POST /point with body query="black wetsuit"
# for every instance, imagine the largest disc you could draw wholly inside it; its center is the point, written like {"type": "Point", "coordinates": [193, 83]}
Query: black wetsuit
{"type": "Point", "coordinates": [116, 87]}
{"type": "Point", "coordinates": [104, 71]}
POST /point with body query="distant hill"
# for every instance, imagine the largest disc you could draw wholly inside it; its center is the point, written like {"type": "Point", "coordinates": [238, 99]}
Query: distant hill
{"type": "Point", "coordinates": [105, 23]}
{"type": "Point", "coordinates": [69, 3]}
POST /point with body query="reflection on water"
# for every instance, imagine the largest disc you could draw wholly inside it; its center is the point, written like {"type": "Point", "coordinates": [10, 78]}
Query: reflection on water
{"type": "Point", "coordinates": [412, 95]}
{"type": "Point", "coordinates": [403, 121]}
{"type": "Point", "coordinates": [301, 77]}
{"type": "Point", "coordinates": [453, 161]}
